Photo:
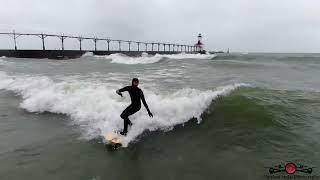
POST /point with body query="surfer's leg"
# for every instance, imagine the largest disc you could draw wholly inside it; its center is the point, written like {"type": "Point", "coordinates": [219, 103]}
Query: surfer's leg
{"type": "Point", "coordinates": [129, 113]}
{"type": "Point", "coordinates": [125, 116]}
{"type": "Point", "coordinates": [129, 122]}
{"type": "Point", "coordinates": [125, 126]}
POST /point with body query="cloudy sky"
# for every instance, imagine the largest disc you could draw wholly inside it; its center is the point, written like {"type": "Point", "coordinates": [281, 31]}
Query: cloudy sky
{"type": "Point", "coordinates": [241, 25]}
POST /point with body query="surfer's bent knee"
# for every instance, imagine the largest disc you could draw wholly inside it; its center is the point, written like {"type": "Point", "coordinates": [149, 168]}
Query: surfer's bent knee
{"type": "Point", "coordinates": [122, 115]}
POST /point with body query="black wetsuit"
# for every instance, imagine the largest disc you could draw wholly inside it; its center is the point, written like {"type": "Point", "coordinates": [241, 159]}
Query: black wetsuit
{"type": "Point", "coordinates": [136, 96]}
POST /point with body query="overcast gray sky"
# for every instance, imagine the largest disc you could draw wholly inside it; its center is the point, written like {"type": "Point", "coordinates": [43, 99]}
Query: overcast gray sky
{"type": "Point", "coordinates": [241, 25]}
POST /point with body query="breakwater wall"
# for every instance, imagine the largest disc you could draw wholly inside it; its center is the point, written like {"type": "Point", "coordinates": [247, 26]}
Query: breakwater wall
{"type": "Point", "coordinates": [70, 54]}
{"type": "Point", "coordinates": [127, 47]}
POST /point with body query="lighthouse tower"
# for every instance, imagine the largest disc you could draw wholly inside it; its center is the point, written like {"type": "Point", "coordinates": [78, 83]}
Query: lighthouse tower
{"type": "Point", "coordinates": [199, 44]}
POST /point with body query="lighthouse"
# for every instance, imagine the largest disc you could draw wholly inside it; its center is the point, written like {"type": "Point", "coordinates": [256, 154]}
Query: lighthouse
{"type": "Point", "coordinates": [199, 44]}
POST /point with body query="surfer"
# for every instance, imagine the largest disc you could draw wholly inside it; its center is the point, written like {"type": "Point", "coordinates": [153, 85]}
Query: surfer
{"type": "Point", "coordinates": [136, 96]}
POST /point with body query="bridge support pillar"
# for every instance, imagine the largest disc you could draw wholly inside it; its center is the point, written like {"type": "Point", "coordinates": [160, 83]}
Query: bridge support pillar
{"type": "Point", "coordinates": [119, 45]}
{"type": "Point", "coordinates": [108, 41]}
{"type": "Point", "coordinates": [80, 43]}
{"type": "Point", "coordinates": [129, 45]}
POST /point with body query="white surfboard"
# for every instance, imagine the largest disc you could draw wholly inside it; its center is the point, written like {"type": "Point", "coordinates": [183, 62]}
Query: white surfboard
{"type": "Point", "coordinates": [114, 139]}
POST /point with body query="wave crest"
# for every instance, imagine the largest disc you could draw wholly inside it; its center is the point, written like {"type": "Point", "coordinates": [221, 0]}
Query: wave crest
{"type": "Point", "coordinates": [95, 107]}
{"type": "Point", "coordinates": [147, 59]}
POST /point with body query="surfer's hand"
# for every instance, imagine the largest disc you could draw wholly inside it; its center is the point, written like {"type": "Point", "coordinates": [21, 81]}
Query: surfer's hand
{"type": "Point", "coordinates": [120, 94]}
{"type": "Point", "coordinates": [150, 114]}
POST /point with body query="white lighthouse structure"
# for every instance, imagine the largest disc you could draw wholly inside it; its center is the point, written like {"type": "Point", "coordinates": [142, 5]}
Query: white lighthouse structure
{"type": "Point", "coordinates": [200, 45]}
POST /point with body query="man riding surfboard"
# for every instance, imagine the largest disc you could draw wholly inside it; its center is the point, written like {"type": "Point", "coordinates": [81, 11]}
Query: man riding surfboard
{"type": "Point", "coordinates": [136, 96]}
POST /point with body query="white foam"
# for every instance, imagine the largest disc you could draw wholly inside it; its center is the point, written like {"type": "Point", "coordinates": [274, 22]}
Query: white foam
{"type": "Point", "coordinates": [3, 62]}
{"type": "Point", "coordinates": [123, 59]}
{"type": "Point", "coordinates": [88, 54]}
{"type": "Point", "coordinates": [188, 56]}
{"type": "Point", "coordinates": [95, 107]}
{"type": "Point", "coordinates": [146, 59]}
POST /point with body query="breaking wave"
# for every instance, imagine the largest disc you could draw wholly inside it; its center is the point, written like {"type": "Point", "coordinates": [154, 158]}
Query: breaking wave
{"type": "Point", "coordinates": [87, 54]}
{"type": "Point", "coordinates": [147, 59]}
{"type": "Point", "coordinates": [95, 107]}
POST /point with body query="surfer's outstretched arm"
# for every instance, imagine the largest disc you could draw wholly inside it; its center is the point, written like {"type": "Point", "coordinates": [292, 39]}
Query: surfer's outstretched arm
{"type": "Point", "coordinates": [119, 91]}
{"type": "Point", "coordinates": [146, 105]}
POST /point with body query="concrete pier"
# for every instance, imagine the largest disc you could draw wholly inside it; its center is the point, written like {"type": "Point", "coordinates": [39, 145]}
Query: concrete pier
{"type": "Point", "coordinates": [70, 54]}
{"type": "Point", "coordinates": [149, 47]}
